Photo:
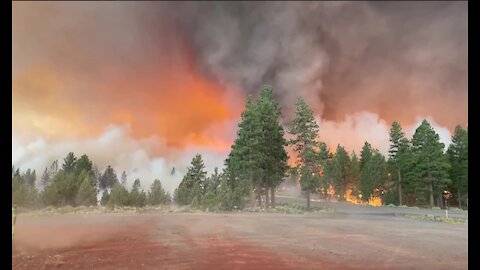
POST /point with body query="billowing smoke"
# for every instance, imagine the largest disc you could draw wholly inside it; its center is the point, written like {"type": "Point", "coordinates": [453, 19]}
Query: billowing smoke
{"type": "Point", "coordinates": [169, 78]}
{"type": "Point", "coordinates": [343, 57]}
{"type": "Point", "coordinates": [354, 130]}
{"type": "Point", "coordinates": [116, 147]}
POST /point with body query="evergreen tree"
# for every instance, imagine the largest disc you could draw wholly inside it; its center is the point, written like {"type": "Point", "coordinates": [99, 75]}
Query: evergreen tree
{"type": "Point", "coordinates": [54, 168]}
{"type": "Point", "coordinates": [108, 179]}
{"type": "Point", "coordinates": [123, 179]}
{"type": "Point", "coordinates": [270, 152]}
{"type": "Point", "coordinates": [83, 164]}
{"type": "Point", "coordinates": [325, 159]}
{"type": "Point", "coordinates": [87, 192]}
{"type": "Point", "coordinates": [399, 154]}
{"type": "Point", "coordinates": [305, 131]}
{"type": "Point", "coordinates": [23, 194]}
{"type": "Point", "coordinates": [157, 194]}
{"type": "Point", "coordinates": [193, 182]}
{"type": "Point", "coordinates": [431, 165]}
{"type": "Point", "coordinates": [119, 196]}
{"type": "Point", "coordinates": [61, 191]}
{"type": "Point", "coordinates": [29, 178]}
{"type": "Point", "coordinates": [340, 163]}
{"type": "Point", "coordinates": [137, 196]}
{"type": "Point", "coordinates": [212, 182]}
{"type": "Point", "coordinates": [354, 174]}
{"type": "Point", "coordinates": [458, 159]}
{"type": "Point", "coordinates": [242, 165]}
{"type": "Point", "coordinates": [374, 174]}
{"type": "Point", "coordinates": [365, 154]}
{"type": "Point", "coordinates": [45, 178]}
{"type": "Point", "coordinates": [230, 192]}
{"type": "Point", "coordinates": [69, 163]}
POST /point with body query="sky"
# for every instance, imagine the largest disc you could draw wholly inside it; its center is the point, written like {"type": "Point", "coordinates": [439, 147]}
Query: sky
{"type": "Point", "coordinates": [143, 86]}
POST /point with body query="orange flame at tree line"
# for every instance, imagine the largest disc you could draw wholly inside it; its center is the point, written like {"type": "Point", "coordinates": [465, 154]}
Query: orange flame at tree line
{"type": "Point", "coordinates": [373, 200]}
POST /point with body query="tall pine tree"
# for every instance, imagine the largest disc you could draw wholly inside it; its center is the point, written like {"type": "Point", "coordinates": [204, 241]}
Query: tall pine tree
{"type": "Point", "coordinates": [242, 167]}
{"type": "Point", "coordinates": [108, 179]}
{"type": "Point", "coordinates": [398, 154]}
{"type": "Point", "coordinates": [157, 194]}
{"type": "Point", "coordinates": [308, 164]}
{"type": "Point", "coordinates": [458, 158]}
{"type": "Point", "coordinates": [192, 186]}
{"type": "Point", "coordinates": [430, 163]}
{"type": "Point", "coordinates": [271, 154]}
{"type": "Point", "coordinates": [339, 171]}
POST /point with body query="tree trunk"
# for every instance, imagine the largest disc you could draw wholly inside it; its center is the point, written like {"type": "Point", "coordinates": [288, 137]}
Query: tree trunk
{"type": "Point", "coordinates": [459, 201]}
{"type": "Point", "coordinates": [252, 195]}
{"type": "Point", "coordinates": [430, 188]}
{"type": "Point", "coordinates": [308, 201]}
{"type": "Point", "coordinates": [400, 188]}
{"type": "Point", "coordinates": [273, 197]}
{"type": "Point", "coordinates": [267, 203]}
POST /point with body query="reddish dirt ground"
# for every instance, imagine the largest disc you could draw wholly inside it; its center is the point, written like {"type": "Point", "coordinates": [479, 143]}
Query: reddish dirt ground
{"type": "Point", "coordinates": [203, 241]}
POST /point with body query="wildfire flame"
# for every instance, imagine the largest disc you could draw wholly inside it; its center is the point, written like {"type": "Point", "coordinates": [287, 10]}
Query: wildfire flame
{"type": "Point", "coordinates": [373, 201]}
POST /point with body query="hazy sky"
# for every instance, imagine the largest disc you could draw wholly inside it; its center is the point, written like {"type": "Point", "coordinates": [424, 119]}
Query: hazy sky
{"type": "Point", "coordinates": [145, 85]}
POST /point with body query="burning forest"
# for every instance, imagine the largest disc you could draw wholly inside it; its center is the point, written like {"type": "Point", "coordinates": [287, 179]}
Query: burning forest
{"type": "Point", "coordinates": [224, 127]}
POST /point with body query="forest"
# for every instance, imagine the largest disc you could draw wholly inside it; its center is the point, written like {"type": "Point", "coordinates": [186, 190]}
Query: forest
{"type": "Point", "coordinates": [418, 171]}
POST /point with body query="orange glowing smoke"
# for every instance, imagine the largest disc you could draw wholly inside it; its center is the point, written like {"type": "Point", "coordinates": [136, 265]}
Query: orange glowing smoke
{"type": "Point", "coordinates": [175, 103]}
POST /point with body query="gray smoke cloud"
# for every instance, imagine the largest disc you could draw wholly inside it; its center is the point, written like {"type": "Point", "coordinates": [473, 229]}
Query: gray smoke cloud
{"type": "Point", "coordinates": [393, 60]}
{"type": "Point", "coordinates": [343, 57]}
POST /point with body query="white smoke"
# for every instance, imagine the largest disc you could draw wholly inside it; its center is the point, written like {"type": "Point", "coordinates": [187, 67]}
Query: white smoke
{"type": "Point", "coordinates": [116, 147]}
{"type": "Point", "coordinates": [359, 127]}
{"type": "Point", "coordinates": [443, 132]}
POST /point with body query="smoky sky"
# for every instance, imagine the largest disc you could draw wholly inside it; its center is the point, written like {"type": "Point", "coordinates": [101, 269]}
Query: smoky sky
{"type": "Point", "coordinates": [143, 86]}
{"type": "Point", "coordinates": [396, 59]}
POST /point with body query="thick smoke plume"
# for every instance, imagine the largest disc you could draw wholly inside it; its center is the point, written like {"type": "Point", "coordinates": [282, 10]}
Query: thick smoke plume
{"type": "Point", "coordinates": [116, 147]}
{"type": "Point", "coordinates": [343, 57]}
{"type": "Point", "coordinates": [170, 78]}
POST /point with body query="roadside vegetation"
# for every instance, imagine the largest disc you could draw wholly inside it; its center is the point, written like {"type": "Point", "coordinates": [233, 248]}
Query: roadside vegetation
{"type": "Point", "coordinates": [435, 218]}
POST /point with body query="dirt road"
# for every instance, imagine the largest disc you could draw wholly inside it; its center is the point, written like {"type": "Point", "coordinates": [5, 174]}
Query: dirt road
{"type": "Point", "coordinates": [237, 241]}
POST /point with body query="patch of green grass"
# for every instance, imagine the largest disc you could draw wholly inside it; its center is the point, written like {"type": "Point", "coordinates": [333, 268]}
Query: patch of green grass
{"type": "Point", "coordinates": [435, 218]}
{"type": "Point", "coordinates": [284, 208]}
{"type": "Point", "coordinates": [84, 210]}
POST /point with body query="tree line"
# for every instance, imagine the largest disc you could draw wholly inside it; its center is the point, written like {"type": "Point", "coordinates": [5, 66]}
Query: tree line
{"type": "Point", "coordinates": [417, 171]}
{"type": "Point", "coordinates": [78, 182]}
